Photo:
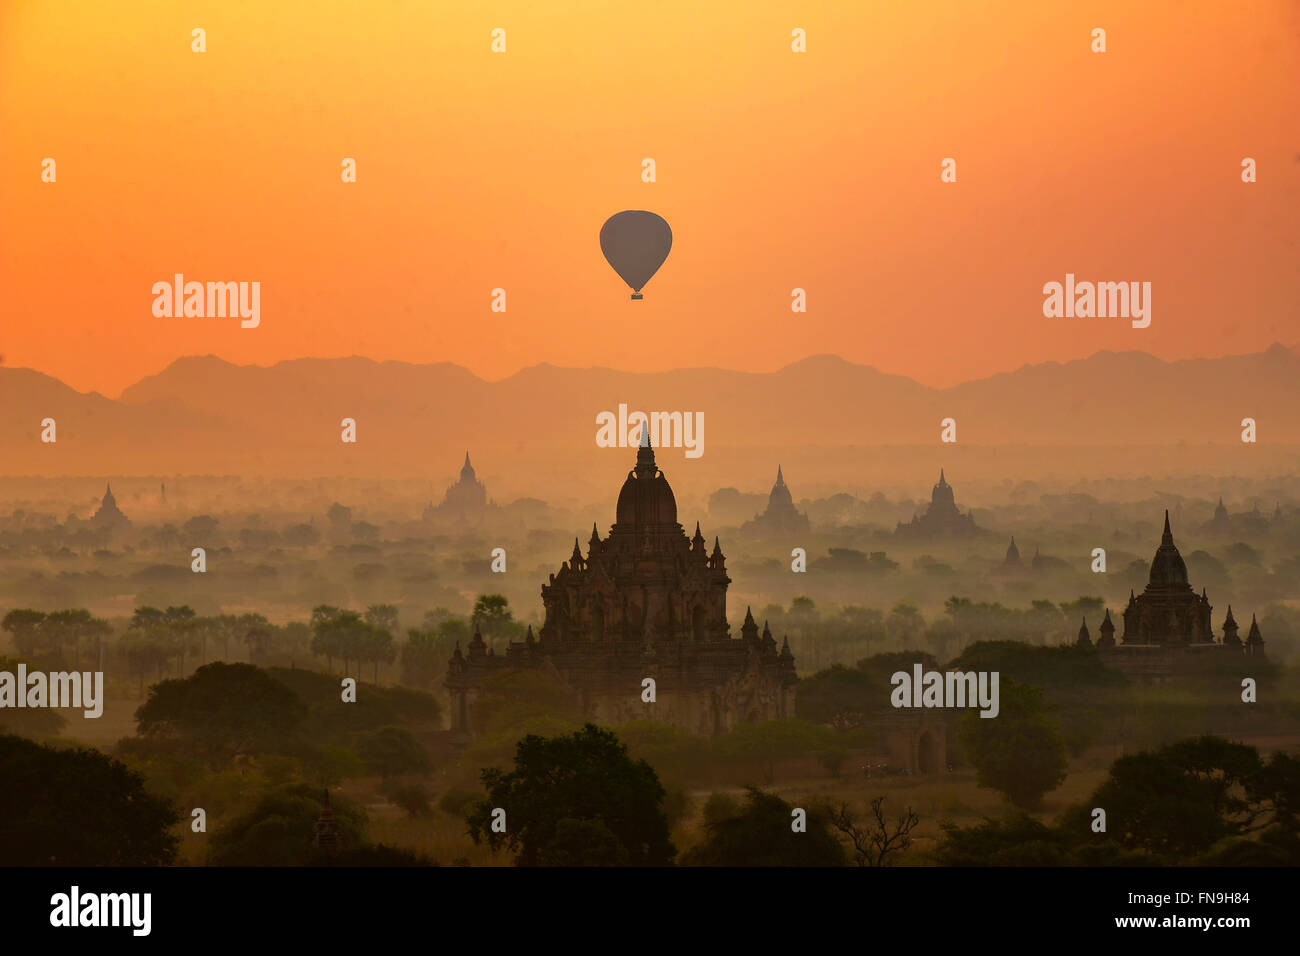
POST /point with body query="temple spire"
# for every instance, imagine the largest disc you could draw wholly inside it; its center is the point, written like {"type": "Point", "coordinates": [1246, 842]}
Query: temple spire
{"type": "Point", "coordinates": [1107, 630]}
{"type": "Point", "coordinates": [645, 454]}
{"type": "Point", "coordinates": [1168, 537]}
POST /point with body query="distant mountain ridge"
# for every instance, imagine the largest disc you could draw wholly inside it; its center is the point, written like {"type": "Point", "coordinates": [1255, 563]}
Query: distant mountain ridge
{"type": "Point", "coordinates": [202, 414]}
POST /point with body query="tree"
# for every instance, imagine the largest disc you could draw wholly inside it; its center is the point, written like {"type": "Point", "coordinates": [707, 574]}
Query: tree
{"type": "Point", "coordinates": [258, 635]}
{"type": "Point", "coordinates": [860, 627]}
{"type": "Point", "coordinates": [69, 629]}
{"type": "Point", "coordinates": [492, 616]}
{"type": "Point", "coordinates": [95, 629]}
{"type": "Point", "coordinates": [761, 833]}
{"type": "Point", "coordinates": [146, 643]}
{"type": "Point", "coordinates": [200, 528]}
{"type": "Point", "coordinates": [584, 776]}
{"type": "Point", "coordinates": [411, 797]}
{"type": "Point", "coordinates": [905, 623]}
{"type": "Point", "coordinates": [325, 638]}
{"type": "Point", "coordinates": [301, 535]}
{"type": "Point", "coordinates": [511, 700]}
{"type": "Point", "coordinates": [391, 751]}
{"type": "Point", "coordinates": [383, 616]}
{"type": "Point", "coordinates": [143, 652]}
{"type": "Point", "coordinates": [1018, 840]}
{"type": "Point", "coordinates": [1184, 797]}
{"type": "Point", "coordinates": [182, 634]}
{"type": "Point", "coordinates": [370, 854]}
{"type": "Point", "coordinates": [226, 627]}
{"type": "Point", "coordinates": [840, 697]}
{"type": "Point", "coordinates": [1083, 607]}
{"type": "Point", "coordinates": [24, 624]}
{"type": "Point", "coordinates": [832, 758]}
{"type": "Point", "coordinates": [424, 658]}
{"type": "Point", "coordinates": [876, 841]}
{"type": "Point", "coordinates": [881, 667]}
{"type": "Point", "coordinates": [719, 807]}
{"type": "Point", "coordinates": [435, 617]}
{"type": "Point", "coordinates": [79, 807]}
{"type": "Point", "coordinates": [804, 621]}
{"type": "Point", "coordinates": [34, 722]}
{"type": "Point", "coordinates": [223, 708]}
{"type": "Point", "coordinates": [278, 830]}
{"type": "Point", "coordinates": [377, 646]}
{"type": "Point", "coordinates": [764, 743]}
{"type": "Point", "coordinates": [1198, 801]}
{"type": "Point", "coordinates": [1020, 752]}
{"type": "Point", "coordinates": [294, 640]}
{"type": "Point", "coordinates": [584, 843]}
{"type": "Point", "coordinates": [59, 631]}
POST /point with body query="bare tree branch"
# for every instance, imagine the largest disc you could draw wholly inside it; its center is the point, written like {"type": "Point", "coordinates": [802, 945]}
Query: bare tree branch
{"type": "Point", "coordinates": [875, 843]}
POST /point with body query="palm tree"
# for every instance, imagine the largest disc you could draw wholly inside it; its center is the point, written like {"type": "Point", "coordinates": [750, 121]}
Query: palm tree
{"type": "Point", "coordinates": [181, 635]}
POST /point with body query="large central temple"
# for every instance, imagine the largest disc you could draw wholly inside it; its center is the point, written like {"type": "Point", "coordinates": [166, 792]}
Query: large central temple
{"type": "Point", "coordinates": [645, 602]}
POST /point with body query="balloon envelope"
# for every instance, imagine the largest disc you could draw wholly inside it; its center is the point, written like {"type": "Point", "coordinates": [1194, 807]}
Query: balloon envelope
{"type": "Point", "coordinates": [636, 243]}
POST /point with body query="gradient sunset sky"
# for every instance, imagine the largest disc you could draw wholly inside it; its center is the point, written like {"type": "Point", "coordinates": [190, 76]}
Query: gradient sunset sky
{"type": "Point", "coordinates": [775, 170]}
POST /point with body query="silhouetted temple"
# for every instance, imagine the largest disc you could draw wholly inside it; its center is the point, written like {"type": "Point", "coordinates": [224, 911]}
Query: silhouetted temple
{"type": "Point", "coordinates": [1168, 611]}
{"type": "Point", "coordinates": [1244, 523]}
{"type": "Point", "coordinates": [465, 502]}
{"type": "Point", "coordinates": [1047, 562]}
{"type": "Point", "coordinates": [109, 516]}
{"type": "Point", "coordinates": [781, 516]}
{"type": "Point", "coordinates": [1012, 565]}
{"type": "Point", "coordinates": [1168, 621]}
{"type": "Point", "coordinates": [940, 519]}
{"type": "Point", "coordinates": [645, 602]}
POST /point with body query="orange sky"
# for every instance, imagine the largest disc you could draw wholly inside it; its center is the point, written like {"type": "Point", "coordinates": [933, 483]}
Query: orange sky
{"type": "Point", "coordinates": [776, 170]}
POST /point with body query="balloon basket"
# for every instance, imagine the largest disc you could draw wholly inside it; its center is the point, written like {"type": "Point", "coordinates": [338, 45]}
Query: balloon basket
{"type": "Point", "coordinates": [637, 295]}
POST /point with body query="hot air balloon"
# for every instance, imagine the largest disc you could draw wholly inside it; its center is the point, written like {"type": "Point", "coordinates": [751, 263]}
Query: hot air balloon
{"type": "Point", "coordinates": [636, 243]}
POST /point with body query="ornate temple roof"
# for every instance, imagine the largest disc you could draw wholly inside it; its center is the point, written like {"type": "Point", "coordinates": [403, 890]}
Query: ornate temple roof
{"type": "Point", "coordinates": [1168, 570]}
{"type": "Point", "coordinates": [780, 496]}
{"type": "Point", "coordinates": [646, 498]}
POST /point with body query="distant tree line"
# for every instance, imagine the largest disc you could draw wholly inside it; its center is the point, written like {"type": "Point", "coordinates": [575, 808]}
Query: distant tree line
{"type": "Point", "coordinates": [156, 642]}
